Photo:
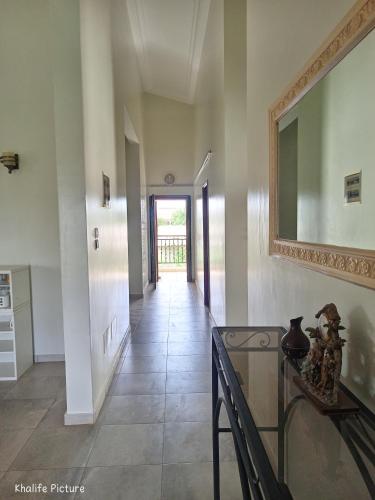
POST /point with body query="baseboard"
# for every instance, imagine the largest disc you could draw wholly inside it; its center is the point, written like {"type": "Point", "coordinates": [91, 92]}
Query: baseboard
{"type": "Point", "coordinates": [78, 418]}
{"type": "Point", "coordinates": [100, 399]}
{"type": "Point", "coordinates": [90, 418]}
{"type": "Point", "coordinates": [48, 358]}
{"type": "Point", "coordinates": [202, 297]}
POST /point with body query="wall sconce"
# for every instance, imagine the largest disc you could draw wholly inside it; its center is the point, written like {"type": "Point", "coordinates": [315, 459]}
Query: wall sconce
{"type": "Point", "coordinates": [10, 161]}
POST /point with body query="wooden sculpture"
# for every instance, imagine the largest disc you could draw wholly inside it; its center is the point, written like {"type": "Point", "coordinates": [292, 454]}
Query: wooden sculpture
{"type": "Point", "coordinates": [321, 369]}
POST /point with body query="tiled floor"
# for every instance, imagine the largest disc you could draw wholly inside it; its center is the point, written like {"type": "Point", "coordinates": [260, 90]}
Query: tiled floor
{"type": "Point", "coordinates": [152, 440]}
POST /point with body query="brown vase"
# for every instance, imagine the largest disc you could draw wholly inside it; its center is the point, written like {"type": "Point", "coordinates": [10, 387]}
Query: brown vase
{"type": "Point", "coordinates": [295, 343]}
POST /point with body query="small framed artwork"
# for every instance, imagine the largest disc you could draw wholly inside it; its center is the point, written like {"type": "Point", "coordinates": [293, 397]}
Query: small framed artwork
{"type": "Point", "coordinates": [106, 191]}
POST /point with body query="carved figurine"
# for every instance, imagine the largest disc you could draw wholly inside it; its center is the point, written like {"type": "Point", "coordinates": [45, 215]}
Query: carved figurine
{"type": "Point", "coordinates": [321, 369]}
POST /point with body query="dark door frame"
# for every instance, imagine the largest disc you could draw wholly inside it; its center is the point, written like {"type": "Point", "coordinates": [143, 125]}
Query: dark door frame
{"type": "Point", "coordinates": [206, 245]}
{"type": "Point", "coordinates": [153, 234]}
{"type": "Point", "coordinates": [153, 241]}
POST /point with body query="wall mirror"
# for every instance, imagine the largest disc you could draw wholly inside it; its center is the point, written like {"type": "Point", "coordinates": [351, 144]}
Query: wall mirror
{"type": "Point", "coordinates": [322, 156]}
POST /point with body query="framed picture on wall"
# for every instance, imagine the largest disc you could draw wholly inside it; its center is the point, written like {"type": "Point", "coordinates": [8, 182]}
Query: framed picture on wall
{"type": "Point", "coordinates": [106, 191]}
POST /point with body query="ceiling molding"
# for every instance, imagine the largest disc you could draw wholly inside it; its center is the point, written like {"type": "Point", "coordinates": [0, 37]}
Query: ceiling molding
{"type": "Point", "coordinates": [198, 31]}
{"type": "Point", "coordinates": [185, 91]}
{"type": "Point", "coordinates": [137, 24]}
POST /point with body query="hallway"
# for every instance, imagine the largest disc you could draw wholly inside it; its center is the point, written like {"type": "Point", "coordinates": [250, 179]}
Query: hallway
{"type": "Point", "coordinates": [152, 439]}
{"type": "Point", "coordinates": [165, 381]}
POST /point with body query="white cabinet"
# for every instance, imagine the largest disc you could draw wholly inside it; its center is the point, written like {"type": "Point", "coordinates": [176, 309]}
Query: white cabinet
{"type": "Point", "coordinates": [16, 337]}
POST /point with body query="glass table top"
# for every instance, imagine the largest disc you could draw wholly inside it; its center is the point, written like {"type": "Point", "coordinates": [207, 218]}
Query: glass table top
{"type": "Point", "coordinates": [317, 456]}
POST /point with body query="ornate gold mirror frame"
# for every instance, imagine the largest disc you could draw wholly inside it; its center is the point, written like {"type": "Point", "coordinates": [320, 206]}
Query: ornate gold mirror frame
{"type": "Point", "coordinates": [350, 264]}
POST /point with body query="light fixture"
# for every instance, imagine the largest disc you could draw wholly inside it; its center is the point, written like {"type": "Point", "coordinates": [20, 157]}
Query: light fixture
{"type": "Point", "coordinates": [10, 161]}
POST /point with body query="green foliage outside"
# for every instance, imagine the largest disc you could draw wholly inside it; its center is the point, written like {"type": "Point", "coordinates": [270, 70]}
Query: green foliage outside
{"type": "Point", "coordinates": [178, 218]}
{"type": "Point", "coordinates": [163, 222]}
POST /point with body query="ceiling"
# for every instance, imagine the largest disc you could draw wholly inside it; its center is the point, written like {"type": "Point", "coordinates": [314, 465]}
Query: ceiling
{"type": "Point", "coordinates": [169, 36]}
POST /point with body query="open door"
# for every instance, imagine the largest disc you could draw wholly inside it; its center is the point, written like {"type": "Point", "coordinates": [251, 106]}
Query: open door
{"type": "Point", "coordinates": [170, 236]}
{"type": "Point", "coordinates": [206, 246]}
{"type": "Point", "coordinates": [153, 241]}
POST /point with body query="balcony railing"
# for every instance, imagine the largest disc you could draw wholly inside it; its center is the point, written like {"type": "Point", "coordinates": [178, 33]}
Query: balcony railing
{"type": "Point", "coordinates": [172, 249]}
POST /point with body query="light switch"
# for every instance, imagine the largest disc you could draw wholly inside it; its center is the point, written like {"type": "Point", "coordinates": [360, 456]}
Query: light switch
{"type": "Point", "coordinates": [353, 188]}
{"type": "Point", "coordinates": [96, 236]}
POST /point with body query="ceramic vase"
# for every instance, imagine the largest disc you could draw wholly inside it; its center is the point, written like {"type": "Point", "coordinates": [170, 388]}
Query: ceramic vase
{"type": "Point", "coordinates": [295, 343]}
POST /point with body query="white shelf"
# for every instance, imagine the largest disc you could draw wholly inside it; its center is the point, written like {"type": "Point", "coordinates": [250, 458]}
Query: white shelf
{"type": "Point", "coordinates": [6, 326]}
{"type": "Point", "coordinates": [6, 336]}
{"type": "Point", "coordinates": [7, 357]}
{"type": "Point", "coordinates": [6, 345]}
{"type": "Point", "coordinates": [6, 310]}
{"type": "Point", "coordinates": [16, 345]}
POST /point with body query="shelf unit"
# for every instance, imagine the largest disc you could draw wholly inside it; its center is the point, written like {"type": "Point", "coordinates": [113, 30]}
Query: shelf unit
{"type": "Point", "coordinates": [16, 337]}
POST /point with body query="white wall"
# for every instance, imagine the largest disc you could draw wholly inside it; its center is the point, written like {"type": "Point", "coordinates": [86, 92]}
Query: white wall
{"type": "Point", "coordinates": [28, 198]}
{"type": "Point", "coordinates": [235, 160]}
{"type": "Point", "coordinates": [169, 139]}
{"type": "Point", "coordinates": [65, 47]}
{"type": "Point", "coordinates": [220, 125]}
{"type": "Point", "coordinates": [129, 108]}
{"type": "Point", "coordinates": [281, 37]}
{"type": "Point", "coordinates": [210, 135]}
{"type": "Point", "coordinates": [103, 105]}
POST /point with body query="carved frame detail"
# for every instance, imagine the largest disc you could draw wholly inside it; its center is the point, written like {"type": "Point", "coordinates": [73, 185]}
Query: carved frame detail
{"type": "Point", "coordinates": [350, 264]}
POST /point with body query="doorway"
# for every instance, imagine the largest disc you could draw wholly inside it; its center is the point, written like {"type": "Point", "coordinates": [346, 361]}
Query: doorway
{"type": "Point", "coordinates": [137, 226]}
{"type": "Point", "coordinates": [206, 245]}
{"type": "Point", "coordinates": [170, 236]}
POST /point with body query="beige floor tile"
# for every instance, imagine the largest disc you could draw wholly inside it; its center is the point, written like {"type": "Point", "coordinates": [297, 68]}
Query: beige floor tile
{"type": "Point", "coordinates": [138, 444]}
{"type": "Point", "coordinates": [196, 363]}
{"type": "Point", "coordinates": [142, 482]}
{"type": "Point", "coordinates": [55, 369]}
{"type": "Point", "coordinates": [11, 442]}
{"type": "Point", "coordinates": [187, 442]}
{"type": "Point", "coordinates": [148, 349]}
{"type": "Point", "coordinates": [144, 364]}
{"type": "Point", "coordinates": [54, 448]}
{"type": "Point", "coordinates": [195, 482]}
{"type": "Point", "coordinates": [192, 442]}
{"type": "Point", "coordinates": [37, 388]}
{"type": "Point", "coordinates": [138, 383]}
{"type": "Point", "coordinates": [55, 416]}
{"type": "Point", "coordinates": [186, 382]}
{"type": "Point", "coordinates": [23, 413]}
{"type": "Point", "coordinates": [143, 337]}
{"type": "Point", "coordinates": [146, 409]}
{"type": "Point", "coordinates": [5, 387]}
{"type": "Point", "coordinates": [188, 348]}
{"type": "Point", "coordinates": [188, 408]}
{"type": "Point", "coordinates": [48, 478]}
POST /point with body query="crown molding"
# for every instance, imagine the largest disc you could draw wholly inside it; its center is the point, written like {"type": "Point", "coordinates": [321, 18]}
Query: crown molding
{"type": "Point", "coordinates": [198, 35]}
{"type": "Point", "coordinates": [137, 24]}
{"type": "Point", "coordinates": [198, 28]}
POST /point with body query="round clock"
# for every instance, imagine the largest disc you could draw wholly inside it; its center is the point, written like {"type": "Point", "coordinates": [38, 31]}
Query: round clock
{"type": "Point", "coordinates": [169, 179]}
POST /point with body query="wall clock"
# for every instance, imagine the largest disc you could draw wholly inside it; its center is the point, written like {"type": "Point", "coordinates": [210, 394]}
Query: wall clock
{"type": "Point", "coordinates": [169, 179]}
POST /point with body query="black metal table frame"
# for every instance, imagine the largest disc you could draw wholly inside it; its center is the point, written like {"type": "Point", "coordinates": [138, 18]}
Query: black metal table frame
{"type": "Point", "coordinates": [258, 480]}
